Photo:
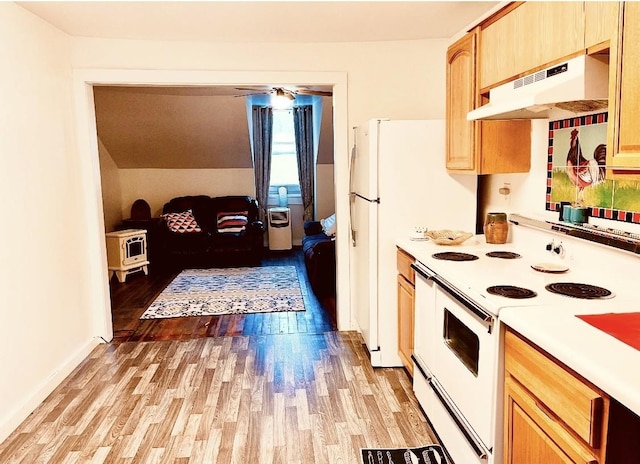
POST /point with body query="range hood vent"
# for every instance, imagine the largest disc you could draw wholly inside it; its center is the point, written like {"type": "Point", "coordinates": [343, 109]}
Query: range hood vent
{"type": "Point", "coordinates": [578, 85]}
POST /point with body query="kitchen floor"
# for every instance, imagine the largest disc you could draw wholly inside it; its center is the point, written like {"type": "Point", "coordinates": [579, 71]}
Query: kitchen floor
{"type": "Point", "coordinates": [309, 397]}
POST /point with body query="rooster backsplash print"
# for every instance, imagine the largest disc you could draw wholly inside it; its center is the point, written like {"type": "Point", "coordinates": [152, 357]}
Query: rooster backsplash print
{"type": "Point", "coordinates": [577, 168]}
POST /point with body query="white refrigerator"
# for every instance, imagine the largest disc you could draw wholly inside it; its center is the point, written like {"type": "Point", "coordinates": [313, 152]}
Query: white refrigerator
{"type": "Point", "coordinates": [398, 181]}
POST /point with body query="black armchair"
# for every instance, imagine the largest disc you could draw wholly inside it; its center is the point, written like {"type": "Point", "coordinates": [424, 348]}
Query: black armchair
{"type": "Point", "coordinates": [320, 259]}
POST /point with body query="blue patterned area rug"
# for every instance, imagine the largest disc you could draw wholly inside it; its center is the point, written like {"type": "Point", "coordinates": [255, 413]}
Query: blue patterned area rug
{"type": "Point", "coordinates": [430, 454]}
{"type": "Point", "coordinates": [239, 290]}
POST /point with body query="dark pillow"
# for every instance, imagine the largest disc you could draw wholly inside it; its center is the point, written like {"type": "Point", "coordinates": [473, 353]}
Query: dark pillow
{"type": "Point", "coordinates": [312, 228]}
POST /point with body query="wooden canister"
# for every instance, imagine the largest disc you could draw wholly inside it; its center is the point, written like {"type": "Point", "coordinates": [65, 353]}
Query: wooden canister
{"type": "Point", "coordinates": [496, 228]}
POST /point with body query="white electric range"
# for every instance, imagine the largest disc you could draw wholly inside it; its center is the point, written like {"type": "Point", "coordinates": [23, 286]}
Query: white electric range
{"type": "Point", "coordinates": [457, 342]}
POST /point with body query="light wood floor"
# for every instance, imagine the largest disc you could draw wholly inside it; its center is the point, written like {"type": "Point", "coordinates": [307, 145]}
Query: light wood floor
{"type": "Point", "coordinates": [255, 389]}
{"type": "Point", "coordinates": [290, 398]}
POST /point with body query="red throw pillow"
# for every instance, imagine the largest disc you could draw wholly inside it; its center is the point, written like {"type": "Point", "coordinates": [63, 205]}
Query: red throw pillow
{"type": "Point", "coordinates": [182, 223]}
{"type": "Point", "coordinates": [232, 221]}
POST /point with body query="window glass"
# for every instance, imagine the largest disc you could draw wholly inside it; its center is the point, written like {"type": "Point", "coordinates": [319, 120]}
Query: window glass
{"type": "Point", "coordinates": [284, 164]}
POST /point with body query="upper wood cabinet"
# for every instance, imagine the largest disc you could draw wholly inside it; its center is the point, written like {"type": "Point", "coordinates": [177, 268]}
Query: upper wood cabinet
{"type": "Point", "coordinates": [623, 147]}
{"type": "Point", "coordinates": [528, 37]}
{"type": "Point", "coordinates": [461, 96]}
{"type": "Point", "coordinates": [600, 23]}
{"type": "Point", "coordinates": [474, 147]}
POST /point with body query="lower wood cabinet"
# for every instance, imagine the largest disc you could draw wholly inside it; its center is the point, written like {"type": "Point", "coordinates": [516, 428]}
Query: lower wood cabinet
{"type": "Point", "coordinates": [551, 414]}
{"type": "Point", "coordinates": [406, 308]}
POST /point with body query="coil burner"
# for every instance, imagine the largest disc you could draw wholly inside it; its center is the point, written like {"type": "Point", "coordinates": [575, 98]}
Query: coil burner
{"type": "Point", "coordinates": [454, 256]}
{"type": "Point", "coordinates": [581, 291]}
{"type": "Point", "coordinates": [503, 254]}
{"type": "Point", "coordinates": [510, 291]}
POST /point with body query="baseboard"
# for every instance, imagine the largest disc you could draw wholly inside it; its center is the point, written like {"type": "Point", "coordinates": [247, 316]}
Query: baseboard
{"type": "Point", "coordinates": [40, 393]}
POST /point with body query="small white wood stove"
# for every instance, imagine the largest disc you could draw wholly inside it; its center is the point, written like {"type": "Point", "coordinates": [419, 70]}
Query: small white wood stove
{"type": "Point", "coordinates": [127, 253]}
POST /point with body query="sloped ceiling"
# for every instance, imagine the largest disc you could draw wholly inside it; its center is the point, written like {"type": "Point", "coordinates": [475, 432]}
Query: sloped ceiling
{"type": "Point", "coordinates": [161, 128]}
{"type": "Point", "coordinates": [180, 127]}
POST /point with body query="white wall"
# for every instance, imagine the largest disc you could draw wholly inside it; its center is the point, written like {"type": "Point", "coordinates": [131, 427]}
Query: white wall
{"type": "Point", "coordinates": [111, 190]}
{"type": "Point", "coordinates": [402, 80]}
{"type": "Point", "coordinates": [157, 186]}
{"type": "Point", "coordinates": [45, 312]}
{"type": "Point", "coordinates": [325, 191]}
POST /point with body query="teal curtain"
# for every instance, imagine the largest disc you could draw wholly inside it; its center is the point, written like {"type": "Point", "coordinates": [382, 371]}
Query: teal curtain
{"type": "Point", "coordinates": [262, 123]}
{"type": "Point", "coordinates": [303, 126]}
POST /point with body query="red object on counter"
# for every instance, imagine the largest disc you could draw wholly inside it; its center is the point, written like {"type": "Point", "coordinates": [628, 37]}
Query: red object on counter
{"type": "Point", "coordinates": [623, 326]}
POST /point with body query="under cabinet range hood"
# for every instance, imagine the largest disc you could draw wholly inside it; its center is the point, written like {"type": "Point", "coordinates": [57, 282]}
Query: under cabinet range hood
{"type": "Point", "coordinates": [577, 85]}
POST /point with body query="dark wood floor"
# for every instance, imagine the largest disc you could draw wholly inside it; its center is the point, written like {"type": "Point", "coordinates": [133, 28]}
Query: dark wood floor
{"type": "Point", "coordinates": [130, 299]}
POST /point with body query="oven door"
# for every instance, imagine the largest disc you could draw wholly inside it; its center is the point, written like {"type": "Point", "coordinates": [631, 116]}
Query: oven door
{"type": "Point", "coordinates": [424, 314]}
{"type": "Point", "coordinates": [465, 359]}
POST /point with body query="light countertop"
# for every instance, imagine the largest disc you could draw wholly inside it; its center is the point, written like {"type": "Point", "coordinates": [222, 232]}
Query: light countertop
{"type": "Point", "coordinates": [608, 363]}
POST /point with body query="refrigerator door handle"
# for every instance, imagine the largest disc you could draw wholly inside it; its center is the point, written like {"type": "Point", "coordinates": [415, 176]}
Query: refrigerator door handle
{"type": "Point", "coordinates": [370, 200]}
{"type": "Point", "coordinates": [351, 192]}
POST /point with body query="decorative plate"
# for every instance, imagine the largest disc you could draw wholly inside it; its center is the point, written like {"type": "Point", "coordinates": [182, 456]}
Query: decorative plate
{"type": "Point", "coordinates": [550, 267]}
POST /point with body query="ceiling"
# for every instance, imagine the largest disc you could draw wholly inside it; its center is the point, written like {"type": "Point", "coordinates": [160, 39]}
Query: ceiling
{"type": "Point", "coordinates": [261, 21]}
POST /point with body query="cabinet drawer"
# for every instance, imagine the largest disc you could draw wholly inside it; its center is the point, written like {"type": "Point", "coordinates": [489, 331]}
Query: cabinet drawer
{"type": "Point", "coordinates": [404, 266]}
{"type": "Point", "coordinates": [576, 403]}
{"type": "Point", "coordinates": [534, 436]}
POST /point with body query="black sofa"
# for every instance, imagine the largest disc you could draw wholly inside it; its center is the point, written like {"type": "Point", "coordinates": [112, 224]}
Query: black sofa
{"type": "Point", "coordinates": [221, 231]}
{"type": "Point", "coordinates": [320, 260]}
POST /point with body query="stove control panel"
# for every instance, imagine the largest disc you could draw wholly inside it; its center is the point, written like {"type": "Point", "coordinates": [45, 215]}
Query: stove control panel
{"type": "Point", "coordinates": [555, 248]}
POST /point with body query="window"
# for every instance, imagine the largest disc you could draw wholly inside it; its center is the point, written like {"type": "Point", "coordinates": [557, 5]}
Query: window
{"type": "Point", "coordinates": [284, 164]}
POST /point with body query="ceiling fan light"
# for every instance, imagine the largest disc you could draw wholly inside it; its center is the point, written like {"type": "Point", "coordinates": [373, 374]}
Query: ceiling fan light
{"type": "Point", "coordinates": [282, 100]}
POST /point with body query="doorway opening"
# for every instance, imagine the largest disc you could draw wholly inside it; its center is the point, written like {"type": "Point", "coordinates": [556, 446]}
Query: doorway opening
{"type": "Point", "coordinates": [84, 80]}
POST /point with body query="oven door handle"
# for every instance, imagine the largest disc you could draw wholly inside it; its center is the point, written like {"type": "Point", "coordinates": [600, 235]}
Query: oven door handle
{"type": "Point", "coordinates": [471, 437]}
{"type": "Point", "coordinates": [424, 371]}
{"type": "Point", "coordinates": [469, 434]}
{"type": "Point", "coordinates": [424, 272]}
{"type": "Point", "coordinates": [480, 313]}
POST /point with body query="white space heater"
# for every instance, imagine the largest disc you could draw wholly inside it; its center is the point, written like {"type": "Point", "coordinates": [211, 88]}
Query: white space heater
{"type": "Point", "coordinates": [279, 228]}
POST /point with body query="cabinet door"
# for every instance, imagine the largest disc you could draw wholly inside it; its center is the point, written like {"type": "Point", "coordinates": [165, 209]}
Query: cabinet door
{"type": "Point", "coordinates": [530, 436]}
{"type": "Point", "coordinates": [529, 37]}
{"type": "Point", "coordinates": [461, 95]}
{"type": "Point", "coordinates": [405, 321]}
{"type": "Point", "coordinates": [559, 30]}
{"type": "Point", "coordinates": [623, 150]}
{"type": "Point", "coordinates": [479, 147]}
{"type": "Point", "coordinates": [600, 22]}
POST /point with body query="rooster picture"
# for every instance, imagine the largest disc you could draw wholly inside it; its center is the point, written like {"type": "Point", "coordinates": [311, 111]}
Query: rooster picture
{"type": "Point", "coordinates": [581, 171]}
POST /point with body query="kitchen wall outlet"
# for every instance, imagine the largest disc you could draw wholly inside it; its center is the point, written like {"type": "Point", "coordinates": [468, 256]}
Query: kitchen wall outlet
{"type": "Point", "coordinates": [505, 189]}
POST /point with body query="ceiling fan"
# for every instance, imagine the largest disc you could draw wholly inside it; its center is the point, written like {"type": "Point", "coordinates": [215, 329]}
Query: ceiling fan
{"type": "Point", "coordinates": [283, 92]}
